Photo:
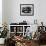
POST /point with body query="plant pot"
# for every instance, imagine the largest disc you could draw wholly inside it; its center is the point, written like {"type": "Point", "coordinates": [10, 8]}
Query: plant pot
{"type": "Point", "coordinates": [2, 40]}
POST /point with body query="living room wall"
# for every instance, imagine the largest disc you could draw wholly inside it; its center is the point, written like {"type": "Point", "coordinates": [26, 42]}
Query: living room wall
{"type": "Point", "coordinates": [11, 11]}
{"type": "Point", "coordinates": [0, 13]}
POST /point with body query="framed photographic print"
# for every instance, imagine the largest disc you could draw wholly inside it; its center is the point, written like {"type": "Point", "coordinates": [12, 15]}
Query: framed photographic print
{"type": "Point", "coordinates": [26, 9]}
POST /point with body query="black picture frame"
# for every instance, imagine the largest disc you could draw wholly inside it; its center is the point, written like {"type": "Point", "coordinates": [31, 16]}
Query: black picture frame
{"type": "Point", "coordinates": [26, 9]}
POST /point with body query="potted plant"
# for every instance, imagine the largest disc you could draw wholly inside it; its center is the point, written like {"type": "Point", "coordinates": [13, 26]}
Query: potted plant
{"type": "Point", "coordinates": [3, 34]}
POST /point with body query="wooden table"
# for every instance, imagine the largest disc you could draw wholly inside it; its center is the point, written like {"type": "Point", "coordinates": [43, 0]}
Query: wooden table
{"type": "Point", "coordinates": [25, 42]}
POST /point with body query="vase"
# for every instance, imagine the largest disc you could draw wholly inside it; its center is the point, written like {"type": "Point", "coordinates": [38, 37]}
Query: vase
{"type": "Point", "coordinates": [2, 40]}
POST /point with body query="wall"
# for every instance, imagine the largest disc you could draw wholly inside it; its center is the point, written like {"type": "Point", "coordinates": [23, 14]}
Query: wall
{"type": "Point", "coordinates": [0, 13]}
{"type": "Point", "coordinates": [15, 11]}
{"type": "Point", "coordinates": [12, 11]}
{"type": "Point", "coordinates": [4, 11]}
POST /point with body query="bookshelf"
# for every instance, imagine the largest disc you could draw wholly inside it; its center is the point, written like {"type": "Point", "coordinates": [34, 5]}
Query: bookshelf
{"type": "Point", "coordinates": [18, 29]}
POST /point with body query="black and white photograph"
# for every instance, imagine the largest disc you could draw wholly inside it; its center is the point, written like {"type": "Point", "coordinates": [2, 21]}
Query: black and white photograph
{"type": "Point", "coordinates": [26, 9]}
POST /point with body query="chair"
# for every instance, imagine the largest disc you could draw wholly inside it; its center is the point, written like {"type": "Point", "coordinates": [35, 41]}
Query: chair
{"type": "Point", "coordinates": [9, 42]}
{"type": "Point", "coordinates": [42, 37]}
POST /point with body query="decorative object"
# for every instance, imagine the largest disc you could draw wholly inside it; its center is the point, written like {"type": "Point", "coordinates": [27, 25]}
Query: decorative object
{"type": "Point", "coordinates": [2, 40]}
{"type": "Point", "coordinates": [4, 32]}
{"type": "Point", "coordinates": [35, 21]}
{"type": "Point", "coordinates": [26, 9]}
{"type": "Point", "coordinates": [28, 33]}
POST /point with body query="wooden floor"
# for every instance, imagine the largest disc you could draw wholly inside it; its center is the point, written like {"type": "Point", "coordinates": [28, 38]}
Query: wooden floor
{"type": "Point", "coordinates": [32, 45]}
{"type": "Point", "coordinates": [1, 45]}
{"type": "Point", "coordinates": [42, 45]}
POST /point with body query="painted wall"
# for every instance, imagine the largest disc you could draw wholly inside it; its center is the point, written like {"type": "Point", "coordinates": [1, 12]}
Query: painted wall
{"type": "Point", "coordinates": [12, 11]}
{"type": "Point", "coordinates": [0, 13]}
{"type": "Point", "coordinates": [4, 11]}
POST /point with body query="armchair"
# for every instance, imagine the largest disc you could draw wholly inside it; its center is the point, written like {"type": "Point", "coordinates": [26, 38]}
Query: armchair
{"type": "Point", "coordinates": [42, 37]}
